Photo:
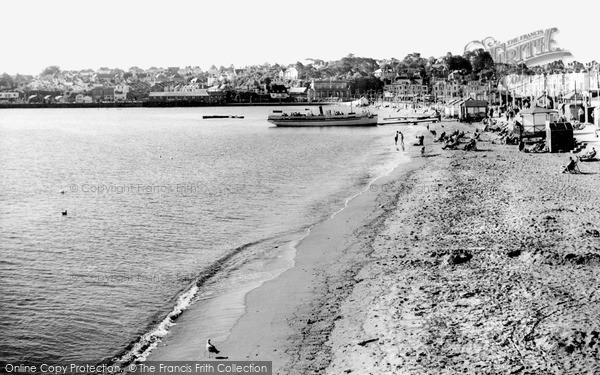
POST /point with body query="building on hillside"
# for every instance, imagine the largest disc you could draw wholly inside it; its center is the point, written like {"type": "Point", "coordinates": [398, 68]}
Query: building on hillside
{"type": "Point", "coordinates": [558, 86]}
{"type": "Point", "coordinates": [186, 93]}
{"type": "Point", "coordinates": [138, 91]}
{"type": "Point", "coordinates": [290, 74]}
{"type": "Point", "coordinates": [172, 70]}
{"type": "Point", "coordinates": [478, 90]}
{"type": "Point", "coordinates": [403, 90]}
{"type": "Point", "coordinates": [299, 94]}
{"type": "Point", "coordinates": [121, 91]}
{"type": "Point", "coordinates": [177, 78]}
{"type": "Point", "coordinates": [103, 94]}
{"type": "Point", "coordinates": [446, 91]}
{"type": "Point", "coordinates": [9, 97]}
{"type": "Point", "coordinates": [330, 90]}
{"type": "Point", "coordinates": [81, 98]}
{"type": "Point", "coordinates": [103, 70]}
{"type": "Point", "coordinates": [279, 92]}
{"type": "Point", "coordinates": [104, 78]}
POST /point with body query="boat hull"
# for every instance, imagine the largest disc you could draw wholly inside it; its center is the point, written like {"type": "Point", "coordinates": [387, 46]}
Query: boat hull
{"type": "Point", "coordinates": [321, 121]}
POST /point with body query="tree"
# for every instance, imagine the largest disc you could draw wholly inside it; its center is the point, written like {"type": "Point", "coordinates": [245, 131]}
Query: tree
{"type": "Point", "coordinates": [267, 82]}
{"type": "Point", "coordinates": [51, 70]}
{"type": "Point", "coordinates": [414, 61]}
{"type": "Point", "coordinates": [480, 60]}
{"type": "Point", "coordinates": [300, 68]}
{"type": "Point", "coordinates": [7, 81]}
{"type": "Point", "coordinates": [362, 85]}
{"type": "Point", "coordinates": [457, 62]}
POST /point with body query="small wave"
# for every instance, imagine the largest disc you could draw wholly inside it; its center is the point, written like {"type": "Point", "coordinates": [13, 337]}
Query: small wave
{"type": "Point", "coordinates": [139, 350]}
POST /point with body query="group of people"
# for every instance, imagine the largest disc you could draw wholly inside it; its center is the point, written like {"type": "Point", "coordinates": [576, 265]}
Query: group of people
{"type": "Point", "coordinates": [399, 136]}
{"type": "Point", "coordinates": [452, 140]}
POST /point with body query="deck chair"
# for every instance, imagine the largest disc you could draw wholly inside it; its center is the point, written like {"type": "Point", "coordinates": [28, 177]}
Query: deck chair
{"type": "Point", "coordinates": [572, 167]}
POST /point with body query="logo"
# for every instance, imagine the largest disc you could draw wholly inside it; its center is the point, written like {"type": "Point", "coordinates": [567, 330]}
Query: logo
{"type": "Point", "coordinates": [535, 48]}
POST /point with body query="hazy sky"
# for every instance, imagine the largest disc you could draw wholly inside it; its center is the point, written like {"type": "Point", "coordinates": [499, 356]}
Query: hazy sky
{"type": "Point", "coordinates": [120, 34]}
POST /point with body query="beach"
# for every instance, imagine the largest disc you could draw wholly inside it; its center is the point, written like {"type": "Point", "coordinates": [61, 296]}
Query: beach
{"type": "Point", "coordinates": [172, 219]}
{"type": "Point", "coordinates": [470, 262]}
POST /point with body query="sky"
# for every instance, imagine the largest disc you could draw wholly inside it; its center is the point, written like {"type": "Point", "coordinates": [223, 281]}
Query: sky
{"type": "Point", "coordinates": [81, 34]}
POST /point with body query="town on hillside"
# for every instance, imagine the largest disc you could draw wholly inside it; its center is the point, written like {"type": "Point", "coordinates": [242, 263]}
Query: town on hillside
{"type": "Point", "coordinates": [413, 79]}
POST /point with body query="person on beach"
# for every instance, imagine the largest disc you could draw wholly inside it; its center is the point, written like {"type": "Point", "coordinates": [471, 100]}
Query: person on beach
{"type": "Point", "coordinates": [401, 139]}
{"type": "Point", "coordinates": [420, 140]}
{"type": "Point", "coordinates": [471, 146]}
{"type": "Point", "coordinates": [396, 139]}
{"type": "Point", "coordinates": [589, 156]}
{"type": "Point", "coordinates": [571, 167]}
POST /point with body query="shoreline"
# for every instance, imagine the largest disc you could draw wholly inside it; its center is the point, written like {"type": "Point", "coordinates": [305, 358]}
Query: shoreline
{"type": "Point", "coordinates": [158, 105]}
{"type": "Point", "coordinates": [187, 339]}
{"type": "Point", "coordinates": [281, 314]}
{"type": "Point", "coordinates": [469, 262]}
{"type": "Point", "coordinates": [221, 310]}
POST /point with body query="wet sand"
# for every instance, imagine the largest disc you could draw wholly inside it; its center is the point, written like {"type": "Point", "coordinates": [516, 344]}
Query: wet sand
{"type": "Point", "coordinates": [458, 262]}
{"type": "Point", "coordinates": [288, 320]}
{"type": "Point", "coordinates": [267, 320]}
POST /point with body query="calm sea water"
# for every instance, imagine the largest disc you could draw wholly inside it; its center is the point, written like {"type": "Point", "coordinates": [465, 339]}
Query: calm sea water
{"type": "Point", "coordinates": [155, 198]}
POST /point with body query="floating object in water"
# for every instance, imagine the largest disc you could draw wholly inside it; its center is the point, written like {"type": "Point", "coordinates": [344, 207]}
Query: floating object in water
{"type": "Point", "coordinates": [221, 116]}
{"type": "Point", "coordinates": [62, 191]}
{"type": "Point", "coordinates": [64, 213]}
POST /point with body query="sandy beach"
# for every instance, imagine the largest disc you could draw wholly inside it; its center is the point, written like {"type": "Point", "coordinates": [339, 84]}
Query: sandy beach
{"type": "Point", "coordinates": [488, 264]}
{"type": "Point", "coordinates": [457, 262]}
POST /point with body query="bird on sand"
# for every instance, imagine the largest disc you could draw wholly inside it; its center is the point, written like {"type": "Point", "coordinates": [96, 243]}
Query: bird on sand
{"type": "Point", "coordinates": [210, 348]}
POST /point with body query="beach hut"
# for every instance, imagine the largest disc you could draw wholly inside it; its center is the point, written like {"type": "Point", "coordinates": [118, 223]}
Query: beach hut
{"type": "Point", "coordinates": [559, 136]}
{"type": "Point", "coordinates": [534, 120]}
{"type": "Point", "coordinates": [544, 101]}
{"type": "Point", "coordinates": [452, 108]}
{"type": "Point", "coordinates": [572, 111]}
{"type": "Point", "coordinates": [474, 110]}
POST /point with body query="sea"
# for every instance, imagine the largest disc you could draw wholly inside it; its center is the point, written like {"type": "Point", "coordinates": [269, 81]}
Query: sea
{"type": "Point", "coordinates": [115, 221]}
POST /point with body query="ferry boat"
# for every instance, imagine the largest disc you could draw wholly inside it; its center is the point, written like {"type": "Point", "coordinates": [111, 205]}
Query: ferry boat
{"type": "Point", "coordinates": [327, 118]}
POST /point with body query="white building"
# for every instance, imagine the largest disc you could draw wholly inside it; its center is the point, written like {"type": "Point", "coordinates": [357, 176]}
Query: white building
{"type": "Point", "coordinates": [290, 73]}
{"type": "Point", "coordinates": [557, 85]}
{"type": "Point", "coordinates": [80, 98]}
{"type": "Point", "coordinates": [9, 96]}
{"type": "Point", "coordinates": [121, 91]}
